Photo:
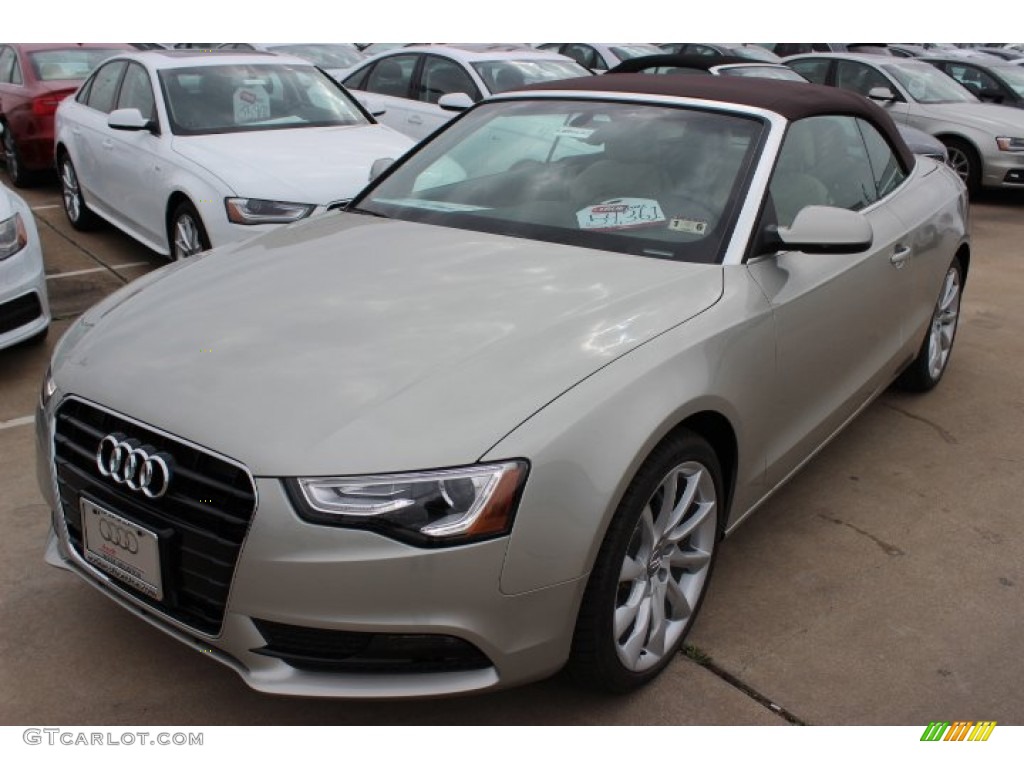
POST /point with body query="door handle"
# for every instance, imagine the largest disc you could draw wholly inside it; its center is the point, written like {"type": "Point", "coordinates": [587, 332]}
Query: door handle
{"type": "Point", "coordinates": [899, 256]}
{"type": "Point", "coordinates": [108, 143]}
{"type": "Point", "coordinates": [415, 120]}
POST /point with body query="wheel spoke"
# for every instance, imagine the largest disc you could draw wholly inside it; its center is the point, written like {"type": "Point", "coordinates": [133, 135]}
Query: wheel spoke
{"type": "Point", "coordinates": [632, 570]}
{"type": "Point", "coordinates": [687, 528]}
{"type": "Point", "coordinates": [690, 559]}
{"type": "Point", "coordinates": [634, 645]}
{"type": "Point", "coordinates": [656, 642]}
{"type": "Point", "coordinates": [677, 599]}
{"type": "Point", "coordinates": [627, 613]}
{"type": "Point", "coordinates": [669, 488]}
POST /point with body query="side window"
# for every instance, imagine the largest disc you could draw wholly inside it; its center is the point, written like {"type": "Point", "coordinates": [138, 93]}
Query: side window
{"type": "Point", "coordinates": [136, 91]}
{"type": "Point", "coordinates": [104, 86]}
{"type": "Point", "coordinates": [82, 97]}
{"type": "Point", "coordinates": [885, 165]}
{"type": "Point", "coordinates": [357, 80]}
{"type": "Point", "coordinates": [860, 78]}
{"type": "Point", "coordinates": [972, 78]}
{"type": "Point", "coordinates": [792, 49]}
{"type": "Point", "coordinates": [392, 76]}
{"type": "Point", "coordinates": [815, 70]}
{"type": "Point", "coordinates": [441, 76]}
{"type": "Point", "coordinates": [16, 72]}
{"type": "Point", "coordinates": [823, 161]}
{"type": "Point", "coordinates": [550, 47]}
{"type": "Point", "coordinates": [7, 60]}
{"type": "Point", "coordinates": [583, 55]}
{"type": "Point", "coordinates": [701, 50]}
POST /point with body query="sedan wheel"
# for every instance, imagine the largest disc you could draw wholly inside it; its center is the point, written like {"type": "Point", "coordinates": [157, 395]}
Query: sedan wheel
{"type": "Point", "coordinates": [932, 359]}
{"type": "Point", "coordinates": [964, 161]}
{"type": "Point", "coordinates": [188, 235]}
{"type": "Point", "coordinates": [78, 214]}
{"type": "Point", "coordinates": [653, 568]}
{"type": "Point", "coordinates": [15, 170]}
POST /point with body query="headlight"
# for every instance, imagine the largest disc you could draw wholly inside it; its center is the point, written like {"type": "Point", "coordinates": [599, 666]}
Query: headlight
{"type": "Point", "coordinates": [247, 210]}
{"type": "Point", "coordinates": [1010, 144]}
{"type": "Point", "coordinates": [49, 387]}
{"type": "Point", "coordinates": [437, 508]}
{"type": "Point", "coordinates": [13, 236]}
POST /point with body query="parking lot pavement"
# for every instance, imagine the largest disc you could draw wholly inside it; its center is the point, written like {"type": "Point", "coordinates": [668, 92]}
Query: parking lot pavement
{"type": "Point", "coordinates": [881, 586]}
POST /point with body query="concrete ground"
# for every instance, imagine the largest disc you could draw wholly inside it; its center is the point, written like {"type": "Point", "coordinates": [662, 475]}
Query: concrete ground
{"type": "Point", "coordinates": [883, 585]}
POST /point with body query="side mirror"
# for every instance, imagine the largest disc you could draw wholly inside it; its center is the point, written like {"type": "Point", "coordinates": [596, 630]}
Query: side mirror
{"type": "Point", "coordinates": [455, 102]}
{"type": "Point", "coordinates": [380, 165]}
{"type": "Point", "coordinates": [881, 93]}
{"type": "Point", "coordinates": [823, 229]}
{"type": "Point", "coordinates": [129, 120]}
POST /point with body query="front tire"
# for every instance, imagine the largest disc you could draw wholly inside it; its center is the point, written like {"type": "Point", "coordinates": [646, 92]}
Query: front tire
{"type": "Point", "coordinates": [964, 159]}
{"type": "Point", "coordinates": [933, 357]}
{"type": "Point", "coordinates": [187, 233]}
{"type": "Point", "coordinates": [78, 213]}
{"type": "Point", "coordinates": [653, 568]}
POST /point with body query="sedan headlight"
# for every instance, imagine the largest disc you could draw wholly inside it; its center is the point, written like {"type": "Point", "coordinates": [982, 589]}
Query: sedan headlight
{"type": "Point", "coordinates": [48, 389]}
{"type": "Point", "coordinates": [248, 210]}
{"type": "Point", "coordinates": [437, 508]}
{"type": "Point", "coordinates": [1010, 144]}
{"type": "Point", "coordinates": [13, 236]}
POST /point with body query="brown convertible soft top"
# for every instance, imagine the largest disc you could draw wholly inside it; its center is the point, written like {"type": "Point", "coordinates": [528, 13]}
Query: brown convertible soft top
{"type": "Point", "coordinates": [792, 100]}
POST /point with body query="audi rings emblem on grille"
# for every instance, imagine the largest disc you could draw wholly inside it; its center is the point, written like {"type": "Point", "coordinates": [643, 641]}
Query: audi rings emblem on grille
{"type": "Point", "coordinates": [128, 462]}
{"type": "Point", "coordinates": [119, 536]}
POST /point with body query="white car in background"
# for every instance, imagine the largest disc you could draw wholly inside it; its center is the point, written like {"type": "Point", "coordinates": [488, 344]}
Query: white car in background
{"type": "Point", "coordinates": [24, 309]}
{"type": "Point", "coordinates": [185, 151]}
{"type": "Point", "coordinates": [417, 89]}
{"type": "Point", "coordinates": [336, 59]}
{"type": "Point", "coordinates": [600, 57]}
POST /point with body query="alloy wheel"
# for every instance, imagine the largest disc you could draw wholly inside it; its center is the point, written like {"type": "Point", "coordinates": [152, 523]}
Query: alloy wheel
{"type": "Point", "coordinates": [943, 327]}
{"type": "Point", "coordinates": [960, 163]}
{"type": "Point", "coordinates": [666, 564]}
{"type": "Point", "coordinates": [71, 192]}
{"type": "Point", "coordinates": [187, 239]}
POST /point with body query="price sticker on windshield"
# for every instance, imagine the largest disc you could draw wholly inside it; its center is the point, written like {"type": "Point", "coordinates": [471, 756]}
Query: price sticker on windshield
{"type": "Point", "coordinates": [621, 213]}
{"type": "Point", "coordinates": [251, 103]}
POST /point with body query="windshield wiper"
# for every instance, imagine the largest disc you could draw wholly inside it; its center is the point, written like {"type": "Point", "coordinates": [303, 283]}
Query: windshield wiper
{"type": "Point", "coordinates": [367, 213]}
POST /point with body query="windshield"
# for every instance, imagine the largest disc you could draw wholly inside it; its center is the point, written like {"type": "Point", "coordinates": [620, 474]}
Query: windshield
{"type": "Point", "coordinates": [926, 84]}
{"type": "Point", "coordinates": [1013, 76]}
{"type": "Point", "coordinates": [754, 53]}
{"type": "Point", "coordinates": [775, 73]}
{"type": "Point", "coordinates": [626, 52]}
{"type": "Point", "coordinates": [501, 76]}
{"type": "Point", "coordinates": [324, 56]}
{"type": "Point", "coordinates": [648, 180]}
{"type": "Point", "coordinates": [229, 98]}
{"type": "Point", "coordinates": [68, 63]}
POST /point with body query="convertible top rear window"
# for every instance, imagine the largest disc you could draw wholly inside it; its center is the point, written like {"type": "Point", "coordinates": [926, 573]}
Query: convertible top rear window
{"type": "Point", "coordinates": [650, 180]}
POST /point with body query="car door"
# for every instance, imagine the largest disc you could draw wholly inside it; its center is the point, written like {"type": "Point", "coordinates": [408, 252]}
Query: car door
{"type": "Point", "coordinates": [860, 78]}
{"type": "Point", "coordinates": [388, 84]}
{"type": "Point", "coordinates": [135, 161]}
{"type": "Point", "coordinates": [839, 317]}
{"type": "Point", "coordinates": [91, 139]}
{"type": "Point", "coordinates": [438, 76]}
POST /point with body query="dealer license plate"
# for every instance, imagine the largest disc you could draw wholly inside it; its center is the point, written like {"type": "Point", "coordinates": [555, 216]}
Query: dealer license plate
{"type": "Point", "coordinates": [123, 549]}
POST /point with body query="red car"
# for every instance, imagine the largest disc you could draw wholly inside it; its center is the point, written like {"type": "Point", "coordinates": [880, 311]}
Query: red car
{"type": "Point", "coordinates": [33, 80]}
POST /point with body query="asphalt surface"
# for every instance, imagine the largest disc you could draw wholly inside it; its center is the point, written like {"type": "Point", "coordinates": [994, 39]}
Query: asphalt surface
{"type": "Point", "coordinates": [883, 585]}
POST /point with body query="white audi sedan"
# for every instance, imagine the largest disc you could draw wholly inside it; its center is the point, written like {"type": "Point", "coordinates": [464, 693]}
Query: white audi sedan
{"type": "Point", "coordinates": [187, 150]}
{"type": "Point", "coordinates": [24, 310]}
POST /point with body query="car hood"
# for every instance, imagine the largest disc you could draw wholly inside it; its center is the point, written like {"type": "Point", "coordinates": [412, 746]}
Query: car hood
{"type": "Point", "coordinates": [994, 118]}
{"type": "Point", "coordinates": [301, 165]}
{"type": "Point", "coordinates": [349, 344]}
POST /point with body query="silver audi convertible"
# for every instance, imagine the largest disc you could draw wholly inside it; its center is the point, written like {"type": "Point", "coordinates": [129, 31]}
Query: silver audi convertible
{"type": "Point", "coordinates": [496, 417]}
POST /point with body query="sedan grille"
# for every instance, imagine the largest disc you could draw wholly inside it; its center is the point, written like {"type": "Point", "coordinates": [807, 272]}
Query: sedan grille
{"type": "Point", "coordinates": [202, 520]}
{"type": "Point", "coordinates": [22, 311]}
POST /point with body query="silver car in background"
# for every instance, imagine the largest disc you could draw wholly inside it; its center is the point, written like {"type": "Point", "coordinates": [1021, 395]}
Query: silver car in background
{"type": "Point", "coordinates": [497, 417]}
{"type": "Point", "coordinates": [985, 141]}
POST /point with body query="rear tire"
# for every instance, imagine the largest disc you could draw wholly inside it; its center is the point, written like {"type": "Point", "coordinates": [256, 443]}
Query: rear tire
{"type": "Point", "coordinates": [20, 176]}
{"type": "Point", "coordinates": [652, 570]}
{"type": "Point", "coordinates": [932, 358]}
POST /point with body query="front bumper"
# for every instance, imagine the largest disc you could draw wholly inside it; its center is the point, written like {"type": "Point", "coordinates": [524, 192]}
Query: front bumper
{"type": "Point", "coordinates": [302, 575]}
{"type": "Point", "coordinates": [1003, 169]}
{"type": "Point", "coordinates": [24, 309]}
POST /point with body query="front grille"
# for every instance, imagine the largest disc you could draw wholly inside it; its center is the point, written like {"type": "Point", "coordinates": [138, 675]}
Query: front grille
{"type": "Point", "coordinates": [20, 312]}
{"type": "Point", "coordinates": [328, 650]}
{"type": "Point", "coordinates": [202, 519]}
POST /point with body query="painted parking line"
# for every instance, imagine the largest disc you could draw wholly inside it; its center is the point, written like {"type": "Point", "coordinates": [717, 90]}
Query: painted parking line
{"type": "Point", "coordinates": [44, 207]}
{"type": "Point", "coordinates": [91, 270]}
{"type": "Point", "coordinates": [19, 422]}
